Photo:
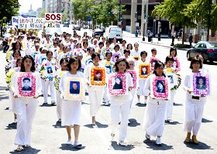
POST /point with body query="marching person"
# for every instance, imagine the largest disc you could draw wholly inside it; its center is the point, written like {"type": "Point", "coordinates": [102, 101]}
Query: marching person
{"type": "Point", "coordinates": [25, 107]}
{"type": "Point", "coordinates": [121, 102]}
{"type": "Point", "coordinates": [59, 74]}
{"type": "Point", "coordinates": [145, 72]}
{"type": "Point", "coordinates": [48, 73]}
{"type": "Point", "coordinates": [176, 63]}
{"type": "Point", "coordinates": [95, 91]}
{"type": "Point", "coordinates": [71, 109]}
{"type": "Point", "coordinates": [195, 101]}
{"type": "Point", "coordinates": [156, 106]}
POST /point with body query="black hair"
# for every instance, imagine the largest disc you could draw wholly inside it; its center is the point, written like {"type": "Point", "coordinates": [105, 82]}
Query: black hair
{"type": "Point", "coordinates": [173, 49]}
{"type": "Point", "coordinates": [158, 64]}
{"type": "Point", "coordinates": [101, 43]}
{"type": "Point", "coordinates": [26, 79]}
{"type": "Point", "coordinates": [15, 52]}
{"type": "Point", "coordinates": [129, 45]}
{"type": "Point", "coordinates": [72, 60]}
{"type": "Point", "coordinates": [117, 46]}
{"type": "Point", "coordinates": [19, 59]}
{"type": "Point", "coordinates": [119, 61]}
{"type": "Point", "coordinates": [125, 51]}
{"type": "Point", "coordinates": [94, 55]}
{"type": "Point", "coordinates": [108, 52]}
{"type": "Point", "coordinates": [85, 42]}
{"type": "Point", "coordinates": [64, 60]}
{"type": "Point", "coordinates": [32, 69]}
{"type": "Point", "coordinates": [153, 49]}
{"type": "Point", "coordinates": [14, 46]}
{"type": "Point", "coordinates": [123, 41]}
{"type": "Point", "coordinates": [169, 59]}
{"type": "Point", "coordinates": [196, 60]}
{"type": "Point", "coordinates": [90, 48]}
{"type": "Point", "coordinates": [143, 52]}
{"type": "Point", "coordinates": [49, 52]}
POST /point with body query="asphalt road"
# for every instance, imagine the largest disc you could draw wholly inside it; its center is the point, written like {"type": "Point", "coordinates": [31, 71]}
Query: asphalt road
{"type": "Point", "coordinates": [48, 138]}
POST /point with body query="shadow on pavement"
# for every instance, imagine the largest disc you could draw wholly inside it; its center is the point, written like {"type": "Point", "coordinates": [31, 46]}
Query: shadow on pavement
{"type": "Point", "coordinates": [173, 123]}
{"type": "Point", "coordinates": [28, 150]}
{"type": "Point", "coordinates": [58, 125]}
{"type": "Point", "coordinates": [204, 120]}
{"type": "Point", "coordinates": [200, 146]}
{"type": "Point", "coordinates": [10, 126]}
{"type": "Point", "coordinates": [151, 145]}
{"type": "Point", "coordinates": [133, 123]}
{"type": "Point", "coordinates": [100, 125]}
{"type": "Point", "coordinates": [176, 104]}
{"type": "Point", "coordinates": [115, 146]}
{"type": "Point", "coordinates": [140, 104]}
{"type": "Point", "coordinates": [71, 147]}
{"type": "Point", "coordinates": [88, 125]}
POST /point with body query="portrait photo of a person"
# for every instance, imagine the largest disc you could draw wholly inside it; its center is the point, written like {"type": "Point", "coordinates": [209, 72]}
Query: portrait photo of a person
{"type": "Point", "coordinates": [49, 70]}
{"type": "Point", "coordinates": [74, 87]}
{"type": "Point", "coordinates": [98, 76]}
{"type": "Point", "coordinates": [160, 87]}
{"type": "Point", "coordinates": [108, 69]}
{"type": "Point", "coordinates": [143, 70]}
{"type": "Point", "coordinates": [200, 82]}
{"type": "Point", "coordinates": [117, 83]}
{"type": "Point", "coordinates": [26, 84]}
{"type": "Point", "coordinates": [171, 78]}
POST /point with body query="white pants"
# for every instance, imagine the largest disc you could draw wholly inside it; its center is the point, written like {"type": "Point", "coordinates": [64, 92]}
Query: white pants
{"type": "Point", "coordinates": [169, 110]}
{"type": "Point", "coordinates": [25, 110]}
{"type": "Point", "coordinates": [105, 95]}
{"type": "Point", "coordinates": [193, 116]}
{"type": "Point", "coordinates": [120, 113]}
{"type": "Point", "coordinates": [59, 105]}
{"type": "Point", "coordinates": [95, 98]}
{"type": "Point", "coordinates": [49, 84]}
{"type": "Point", "coordinates": [155, 116]}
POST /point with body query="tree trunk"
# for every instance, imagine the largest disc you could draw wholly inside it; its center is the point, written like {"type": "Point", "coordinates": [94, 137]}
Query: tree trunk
{"type": "Point", "coordinates": [207, 36]}
{"type": "Point", "coordinates": [183, 36]}
{"type": "Point", "coordinates": [1, 30]}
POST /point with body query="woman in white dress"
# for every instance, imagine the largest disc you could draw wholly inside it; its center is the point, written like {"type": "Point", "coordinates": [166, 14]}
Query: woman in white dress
{"type": "Point", "coordinates": [121, 102]}
{"type": "Point", "coordinates": [25, 107]}
{"type": "Point", "coordinates": [71, 109]}
{"type": "Point", "coordinates": [156, 106]}
{"type": "Point", "coordinates": [195, 102]}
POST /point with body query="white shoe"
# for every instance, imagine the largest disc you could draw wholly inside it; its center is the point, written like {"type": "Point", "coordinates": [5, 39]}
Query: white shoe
{"type": "Point", "coordinates": [69, 142]}
{"type": "Point", "coordinates": [158, 140]}
{"type": "Point", "coordinates": [122, 143]}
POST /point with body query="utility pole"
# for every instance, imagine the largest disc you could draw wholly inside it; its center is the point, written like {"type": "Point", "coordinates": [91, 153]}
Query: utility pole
{"type": "Point", "coordinates": [144, 18]}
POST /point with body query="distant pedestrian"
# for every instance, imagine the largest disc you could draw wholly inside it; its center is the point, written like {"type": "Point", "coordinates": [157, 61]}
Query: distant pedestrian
{"type": "Point", "coordinates": [190, 39]}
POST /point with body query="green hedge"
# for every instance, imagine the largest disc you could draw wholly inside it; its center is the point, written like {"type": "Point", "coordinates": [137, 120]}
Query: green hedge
{"type": "Point", "coordinates": [182, 46]}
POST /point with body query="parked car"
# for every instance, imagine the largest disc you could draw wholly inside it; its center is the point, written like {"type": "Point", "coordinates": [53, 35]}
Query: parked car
{"type": "Point", "coordinates": [97, 33]}
{"type": "Point", "coordinates": [208, 50]}
{"type": "Point", "coordinates": [114, 32]}
{"type": "Point", "coordinates": [77, 27]}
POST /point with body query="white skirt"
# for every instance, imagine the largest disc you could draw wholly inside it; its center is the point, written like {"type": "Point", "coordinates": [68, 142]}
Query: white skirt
{"type": "Point", "coordinates": [141, 84]}
{"type": "Point", "coordinates": [71, 111]}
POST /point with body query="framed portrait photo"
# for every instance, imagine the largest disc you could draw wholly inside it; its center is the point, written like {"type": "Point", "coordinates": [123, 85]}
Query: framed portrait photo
{"type": "Point", "coordinates": [144, 70]}
{"type": "Point", "coordinates": [117, 84]}
{"type": "Point", "coordinates": [26, 85]}
{"type": "Point", "coordinates": [108, 69]}
{"type": "Point", "coordinates": [201, 84]}
{"type": "Point", "coordinates": [172, 79]}
{"type": "Point", "coordinates": [134, 77]}
{"type": "Point", "coordinates": [74, 89]}
{"type": "Point", "coordinates": [160, 88]}
{"type": "Point", "coordinates": [42, 58]}
{"type": "Point", "coordinates": [98, 76]}
{"type": "Point", "coordinates": [49, 72]}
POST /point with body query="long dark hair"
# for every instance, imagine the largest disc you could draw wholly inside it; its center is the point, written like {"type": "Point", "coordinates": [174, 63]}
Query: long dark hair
{"type": "Point", "coordinates": [173, 49]}
{"type": "Point", "coordinates": [121, 60]}
{"type": "Point", "coordinates": [72, 60]}
{"type": "Point", "coordinates": [158, 64]}
{"type": "Point", "coordinates": [22, 69]}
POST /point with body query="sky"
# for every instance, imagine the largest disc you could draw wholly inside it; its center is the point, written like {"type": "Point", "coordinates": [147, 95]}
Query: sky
{"type": "Point", "coordinates": [25, 5]}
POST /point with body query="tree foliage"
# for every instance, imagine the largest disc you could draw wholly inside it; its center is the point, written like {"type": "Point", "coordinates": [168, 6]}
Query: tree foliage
{"type": "Point", "coordinates": [101, 11]}
{"type": "Point", "coordinates": [8, 8]}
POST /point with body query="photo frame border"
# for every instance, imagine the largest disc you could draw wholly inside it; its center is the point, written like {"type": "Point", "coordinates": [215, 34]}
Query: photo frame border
{"type": "Point", "coordinates": [148, 69]}
{"type": "Point", "coordinates": [201, 91]}
{"type": "Point", "coordinates": [98, 83]}
{"type": "Point", "coordinates": [157, 95]}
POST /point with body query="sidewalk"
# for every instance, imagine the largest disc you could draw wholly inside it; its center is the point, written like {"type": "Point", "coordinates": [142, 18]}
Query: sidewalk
{"type": "Point", "coordinates": [165, 42]}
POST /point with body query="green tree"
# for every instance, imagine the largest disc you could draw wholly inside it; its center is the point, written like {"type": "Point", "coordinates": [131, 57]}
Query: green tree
{"type": "Point", "coordinates": [203, 12]}
{"type": "Point", "coordinates": [8, 8]}
{"type": "Point", "coordinates": [42, 13]}
{"type": "Point", "coordinates": [173, 10]}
